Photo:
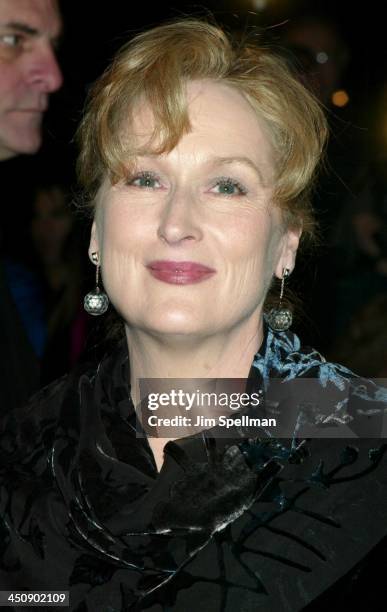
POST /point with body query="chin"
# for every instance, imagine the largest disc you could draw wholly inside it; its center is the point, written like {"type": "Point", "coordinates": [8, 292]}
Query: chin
{"type": "Point", "coordinates": [15, 149]}
{"type": "Point", "coordinates": [32, 147]}
{"type": "Point", "coordinates": [179, 324]}
{"type": "Point", "coordinates": [28, 144]}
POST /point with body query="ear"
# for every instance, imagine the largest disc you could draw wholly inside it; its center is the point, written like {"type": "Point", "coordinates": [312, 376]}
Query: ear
{"type": "Point", "coordinates": [94, 242]}
{"type": "Point", "coordinates": [288, 250]}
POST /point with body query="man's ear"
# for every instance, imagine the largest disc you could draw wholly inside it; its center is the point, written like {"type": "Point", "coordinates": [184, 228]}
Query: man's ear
{"type": "Point", "coordinates": [94, 242]}
{"type": "Point", "coordinates": [288, 251]}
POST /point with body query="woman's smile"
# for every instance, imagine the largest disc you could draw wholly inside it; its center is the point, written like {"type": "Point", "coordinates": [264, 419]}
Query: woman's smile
{"type": "Point", "coordinates": [180, 272]}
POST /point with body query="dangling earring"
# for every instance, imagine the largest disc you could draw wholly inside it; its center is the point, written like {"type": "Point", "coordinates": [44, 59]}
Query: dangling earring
{"type": "Point", "coordinates": [96, 302]}
{"type": "Point", "coordinates": [280, 319]}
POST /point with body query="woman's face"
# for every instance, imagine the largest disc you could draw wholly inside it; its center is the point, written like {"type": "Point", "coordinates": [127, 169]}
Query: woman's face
{"type": "Point", "coordinates": [207, 203]}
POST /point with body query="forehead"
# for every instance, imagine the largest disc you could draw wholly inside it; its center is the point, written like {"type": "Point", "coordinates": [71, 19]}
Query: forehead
{"type": "Point", "coordinates": [40, 15]}
{"type": "Point", "coordinates": [220, 118]}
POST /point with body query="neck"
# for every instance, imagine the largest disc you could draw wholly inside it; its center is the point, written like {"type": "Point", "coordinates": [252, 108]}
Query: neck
{"type": "Point", "coordinates": [227, 355]}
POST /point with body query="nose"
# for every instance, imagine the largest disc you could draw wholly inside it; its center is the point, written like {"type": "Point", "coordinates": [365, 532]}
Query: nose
{"type": "Point", "coordinates": [179, 221]}
{"type": "Point", "coordinates": [45, 73]}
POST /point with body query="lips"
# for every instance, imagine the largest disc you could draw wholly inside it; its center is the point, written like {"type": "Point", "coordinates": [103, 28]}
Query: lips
{"type": "Point", "coordinates": [180, 272]}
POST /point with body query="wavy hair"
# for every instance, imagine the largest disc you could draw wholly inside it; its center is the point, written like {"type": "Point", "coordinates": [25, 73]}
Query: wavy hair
{"type": "Point", "coordinates": [154, 68]}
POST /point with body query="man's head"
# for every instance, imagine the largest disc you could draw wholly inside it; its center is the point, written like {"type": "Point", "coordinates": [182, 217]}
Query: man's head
{"type": "Point", "coordinates": [29, 72]}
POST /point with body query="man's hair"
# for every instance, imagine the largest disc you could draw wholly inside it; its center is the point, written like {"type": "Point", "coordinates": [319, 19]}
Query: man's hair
{"type": "Point", "coordinates": [154, 68]}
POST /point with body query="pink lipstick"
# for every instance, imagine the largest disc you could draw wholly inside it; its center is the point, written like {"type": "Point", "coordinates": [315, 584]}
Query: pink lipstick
{"type": "Point", "coordinates": [179, 272]}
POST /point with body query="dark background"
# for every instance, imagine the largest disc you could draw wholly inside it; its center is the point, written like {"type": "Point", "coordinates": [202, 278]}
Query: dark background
{"type": "Point", "coordinates": [93, 31]}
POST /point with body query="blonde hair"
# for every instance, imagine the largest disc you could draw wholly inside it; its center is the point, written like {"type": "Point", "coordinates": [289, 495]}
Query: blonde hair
{"type": "Point", "coordinates": [154, 68]}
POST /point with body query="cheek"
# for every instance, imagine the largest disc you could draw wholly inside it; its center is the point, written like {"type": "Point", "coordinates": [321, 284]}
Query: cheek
{"type": "Point", "coordinates": [251, 245]}
{"type": "Point", "coordinates": [11, 82]}
{"type": "Point", "coordinates": [113, 230]}
{"type": "Point", "coordinates": [121, 226]}
{"type": "Point", "coordinates": [122, 242]}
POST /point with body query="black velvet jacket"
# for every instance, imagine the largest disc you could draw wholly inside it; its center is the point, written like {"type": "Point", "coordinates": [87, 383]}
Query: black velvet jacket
{"type": "Point", "coordinates": [228, 525]}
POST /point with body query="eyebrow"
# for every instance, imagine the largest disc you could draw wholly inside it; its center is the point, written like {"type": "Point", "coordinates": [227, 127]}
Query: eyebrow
{"type": "Point", "coordinates": [239, 160]}
{"type": "Point", "coordinates": [225, 161]}
{"type": "Point", "coordinates": [23, 28]}
{"type": "Point", "coordinates": [20, 27]}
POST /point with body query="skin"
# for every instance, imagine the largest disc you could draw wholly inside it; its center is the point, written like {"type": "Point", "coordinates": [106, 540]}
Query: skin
{"type": "Point", "coordinates": [29, 71]}
{"type": "Point", "coordinates": [213, 328]}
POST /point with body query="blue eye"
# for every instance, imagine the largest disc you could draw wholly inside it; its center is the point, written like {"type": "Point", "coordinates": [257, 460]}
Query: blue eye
{"type": "Point", "coordinates": [146, 180]}
{"type": "Point", "coordinates": [229, 187]}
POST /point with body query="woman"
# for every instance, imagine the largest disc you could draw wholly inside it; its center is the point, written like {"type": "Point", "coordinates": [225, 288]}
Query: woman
{"type": "Point", "coordinates": [197, 158]}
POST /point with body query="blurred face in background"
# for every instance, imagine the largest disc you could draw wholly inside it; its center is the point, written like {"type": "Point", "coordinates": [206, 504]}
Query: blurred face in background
{"type": "Point", "coordinates": [322, 54]}
{"type": "Point", "coordinates": [51, 225]}
{"type": "Point", "coordinates": [29, 71]}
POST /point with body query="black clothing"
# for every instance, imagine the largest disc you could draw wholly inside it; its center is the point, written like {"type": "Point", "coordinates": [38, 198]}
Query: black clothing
{"type": "Point", "coordinates": [19, 367]}
{"type": "Point", "coordinates": [228, 525]}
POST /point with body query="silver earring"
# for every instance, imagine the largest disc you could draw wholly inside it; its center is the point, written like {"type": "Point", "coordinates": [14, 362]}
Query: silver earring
{"type": "Point", "coordinates": [280, 318]}
{"type": "Point", "coordinates": [96, 302]}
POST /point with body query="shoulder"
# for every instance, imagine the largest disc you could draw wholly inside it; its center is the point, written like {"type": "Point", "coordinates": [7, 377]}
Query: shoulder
{"type": "Point", "coordinates": [57, 410]}
{"type": "Point", "coordinates": [294, 359]}
{"type": "Point", "coordinates": [310, 376]}
{"type": "Point", "coordinates": [28, 432]}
